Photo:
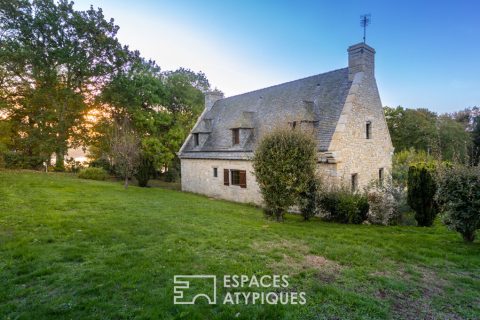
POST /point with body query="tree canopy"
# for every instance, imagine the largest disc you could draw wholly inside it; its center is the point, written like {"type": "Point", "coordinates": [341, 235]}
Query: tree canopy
{"type": "Point", "coordinates": [66, 80]}
{"type": "Point", "coordinates": [443, 136]}
{"type": "Point", "coordinates": [54, 60]}
{"type": "Point", "coordinates": [162, 108]}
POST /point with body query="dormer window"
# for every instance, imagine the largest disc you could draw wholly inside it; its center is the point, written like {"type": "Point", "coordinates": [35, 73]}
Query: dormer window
{"type": "Point", "coordinates": [235, 136]}
{"type": "Point", "coordinates": [368, 130]}
{"type": "Point", "coordinates": [196, 139]}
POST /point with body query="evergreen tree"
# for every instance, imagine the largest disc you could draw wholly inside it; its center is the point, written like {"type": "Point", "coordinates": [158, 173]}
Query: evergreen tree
{"type": "Point", "coordinates": [421, 192]}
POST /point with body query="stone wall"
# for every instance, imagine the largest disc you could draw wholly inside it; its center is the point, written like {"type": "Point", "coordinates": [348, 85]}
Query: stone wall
{"type": "Point", "coordinates": [197, 177]}
{"type": "Point", "coordinates": [354, 152]}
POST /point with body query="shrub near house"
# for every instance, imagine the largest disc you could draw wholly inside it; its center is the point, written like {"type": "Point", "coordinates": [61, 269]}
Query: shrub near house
{"type": "Point", "coordinates": [343, 206]}
{"type": "Point", "coordinates": [421, 191]}
{"type": "Point", "coordinates": [284, 165]}
{"type": "Point", "coordinates": [388, 202]}
{"type": "Point", "coordinates": [459, 197]}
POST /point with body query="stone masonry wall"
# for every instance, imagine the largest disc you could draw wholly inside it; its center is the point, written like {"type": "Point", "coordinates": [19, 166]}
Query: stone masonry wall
{"type": "Point", "coordinates": [356, 153]}
{"type": "Point", "coordinates": [197, 177]}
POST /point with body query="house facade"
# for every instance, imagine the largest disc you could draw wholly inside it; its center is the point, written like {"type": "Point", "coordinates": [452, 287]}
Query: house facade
{"type": "Point", "coordinates": [342, 108]}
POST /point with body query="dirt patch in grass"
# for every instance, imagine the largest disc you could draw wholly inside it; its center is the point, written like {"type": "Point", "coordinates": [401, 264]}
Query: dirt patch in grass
{"type": "Point", "coordinates": [281, 245]}
{"type": "Point", "coordinates": [287, 264]}
{"type": "Point", "coordinates": [405, 306]}
{"type": "Point", "coordinates": [432, 284]}
{"type": "Point", "coordinates": [415, 303]}
{"type": "Point", "coordinates": [316, 261]}
{"type": "Point", "coordinates": [326, 270]}
{"type": "Point", "coordinates": [295, 258]}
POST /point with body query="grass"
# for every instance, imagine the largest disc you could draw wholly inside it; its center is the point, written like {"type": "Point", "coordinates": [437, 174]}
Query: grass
{"type": "Point", "coordinates": [77, 249]}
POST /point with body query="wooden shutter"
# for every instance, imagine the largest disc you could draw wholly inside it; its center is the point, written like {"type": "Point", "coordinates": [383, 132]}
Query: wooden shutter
{"type": "Point", "coordinates": [243, 179]}
{"type": "Point", "coordinates": [226, 177]}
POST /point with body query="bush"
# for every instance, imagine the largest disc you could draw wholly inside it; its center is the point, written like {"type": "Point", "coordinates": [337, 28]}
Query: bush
{"type": "Point", "coordinates": [308, 202]}
{"type": "Point", "coordinates": [421, 193]}
{"type": "Point", "coordinates": [145, 171]}
{"type": "Point", "coordinates": [403, 160]}
{"type": "Point", "coordinates": [387, 203]}
{"type": "Point", "coordinates": [271, 213]}
{"type": "Point", "coordinates": [344, 206]}
{"type": "Point", "coordinates": [284, 164]}
{"type": "Point", "coordinates": [17, 160]}
{"type": "Point", "coordinates": [407, 218]}
{"type": "Point", "coordinates": [172, 175]}
{"type": "Point", "coordinates": [173, 172]}
{"type": "Point", "coordinates": [93, 173]}
{"type": "Point", "coordinates": [102, 163]}
{"type": "Point", "coordinates": [459, 198]}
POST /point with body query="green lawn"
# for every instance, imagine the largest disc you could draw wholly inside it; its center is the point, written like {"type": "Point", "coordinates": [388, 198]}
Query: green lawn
{"type": "Point", "coordinates": [78, 249]}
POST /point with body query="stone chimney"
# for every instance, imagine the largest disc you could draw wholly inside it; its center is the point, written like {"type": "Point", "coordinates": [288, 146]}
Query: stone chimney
{"type": "Point", "coordinates": [361, 58]}
{"type": "Point", "coordinates": [211, 97]}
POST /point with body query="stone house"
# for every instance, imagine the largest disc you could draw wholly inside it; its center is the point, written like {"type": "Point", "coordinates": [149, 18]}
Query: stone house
{"type": "Point", "coordinates": [341, 107]}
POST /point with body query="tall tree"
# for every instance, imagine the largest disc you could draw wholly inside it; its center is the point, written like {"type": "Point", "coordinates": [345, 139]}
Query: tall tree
{"type": "Point", "coordinates": [162, 107]}
{"type": "Point", "coordinates": [54, 60]}
{"type": "Point", "coordinates": [475, 147]}
{"type": "Point", "coordinates": [185, 101]}
{"type": "Point", "coordinates": [466, 117]}
{"type": "Point", "coordinates": [137, 92]}
{"type": "Point", "coordinates": [423, 130]}
{"type": "Point", "coordinates": [125, 149]}
{"type": "Point", "coordinates": [411, 128]}
{"type": "Point", "coordinates": [454, 140]}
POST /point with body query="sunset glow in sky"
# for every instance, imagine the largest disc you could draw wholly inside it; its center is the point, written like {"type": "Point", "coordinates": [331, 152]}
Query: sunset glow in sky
{"type": "Point", "coordinates": [428, 52]}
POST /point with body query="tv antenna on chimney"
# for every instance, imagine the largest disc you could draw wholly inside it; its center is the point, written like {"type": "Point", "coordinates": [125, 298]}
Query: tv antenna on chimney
{"type": "Point", "coordinates": [365, 20]}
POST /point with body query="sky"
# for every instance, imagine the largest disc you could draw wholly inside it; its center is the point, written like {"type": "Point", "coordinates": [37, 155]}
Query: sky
{"type": "Point", "coordinates": [428, 52]}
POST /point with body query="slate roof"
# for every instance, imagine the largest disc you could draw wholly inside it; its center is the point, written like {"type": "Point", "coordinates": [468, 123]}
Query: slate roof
{"type": "Point", "coordinates": [317, 100]}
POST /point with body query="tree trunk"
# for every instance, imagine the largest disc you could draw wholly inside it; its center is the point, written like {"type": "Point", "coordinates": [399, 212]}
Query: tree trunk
{"type": "Point", "coordinates": [469, 236]}
{"type": "Point", "coordinates": [279, 215]}
{"type": "Point", "coordinates": [126, 181]}
{"type": "Point", "coordinates": [61, 141]}
{"type": "Point", "coordinates": [59, 159]}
